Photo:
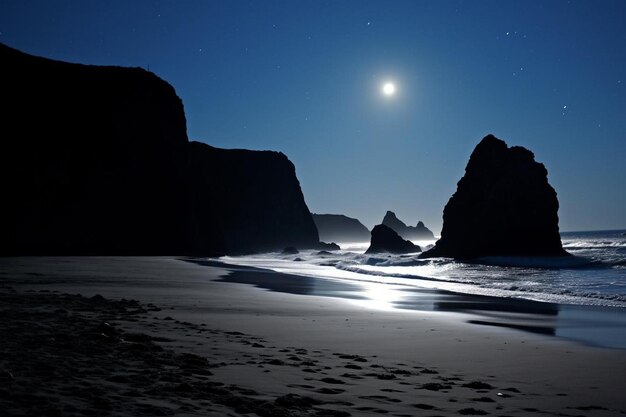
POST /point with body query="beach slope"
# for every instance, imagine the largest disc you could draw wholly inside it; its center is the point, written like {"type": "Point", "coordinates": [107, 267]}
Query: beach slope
{"type": "Point", "coordinates": [162, 336]}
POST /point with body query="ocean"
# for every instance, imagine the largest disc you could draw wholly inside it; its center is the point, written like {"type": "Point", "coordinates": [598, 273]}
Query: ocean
{"type": "Point", "coordinates": [582, 297]}
{"type": "Point", "coordinates": [595, 275]}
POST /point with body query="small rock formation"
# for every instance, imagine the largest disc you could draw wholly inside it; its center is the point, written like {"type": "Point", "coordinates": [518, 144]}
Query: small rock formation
{"type": "Point", "coordinates": [290, 250]}
{"type": "Point", "coordinates": [418, 232]}
{"type": "Point", "coordinates": [503, 206]}
{"type": "Point", "coordinates": [327, 246]}
{"type": "Point", "coordinates": [340, 228]}
{"type": "Point", "coordinates": [385, 239]}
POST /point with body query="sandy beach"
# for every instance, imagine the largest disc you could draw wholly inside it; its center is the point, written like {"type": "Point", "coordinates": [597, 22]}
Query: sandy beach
{"type": "Point", "coordinates": [166, 336]}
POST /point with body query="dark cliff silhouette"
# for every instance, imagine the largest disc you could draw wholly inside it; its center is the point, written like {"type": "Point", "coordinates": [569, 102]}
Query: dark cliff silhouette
{"type": "Point", "coordinates": [503, 206]}
{"type": "Point", "coordinates": [93, 159]}
{"type": "Point", "coordinates": [96, 160]}
{"type": "Point", "coordinates": [385, 239]}
{"type": "Point", "coordinates": [255, 195]}
{"type": "Point", "coordinates": [340, 228]}
{"type": "Point", "coordinates": [408, 232]}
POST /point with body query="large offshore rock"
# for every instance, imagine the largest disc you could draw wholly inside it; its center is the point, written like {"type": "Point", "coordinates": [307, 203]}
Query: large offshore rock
{"type": "Point", "coordinates": [503, 205]}
{"type": "Point", "coordinates": [385, 239]}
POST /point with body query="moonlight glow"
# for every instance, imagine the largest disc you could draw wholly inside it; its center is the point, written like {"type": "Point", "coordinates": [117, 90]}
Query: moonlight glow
{"type": "Point", "coordinates": [389, 89]}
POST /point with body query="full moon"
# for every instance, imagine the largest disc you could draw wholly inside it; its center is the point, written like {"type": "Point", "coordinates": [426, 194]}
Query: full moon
{"type": "Point", "coordinates": [389, 89]}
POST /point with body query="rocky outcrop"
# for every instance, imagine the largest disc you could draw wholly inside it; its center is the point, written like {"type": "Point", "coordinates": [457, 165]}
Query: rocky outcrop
{"type": "Point", "coordinates": [418, 232]}
{"type": "Point", "coordinates": [327, 246]}
{"type": "Point", "coordinates": [385, 239]}
{"type": "Point", "coordinates": [340, 228]}
{"type": "Point", "coordinates": [290, 250]}
{"type": "Point", "coordinates": [251, 199]}
{"type": "Point", "coordinates": [96, 160]}
{"type": "Point", "coordinates": [503, 206]}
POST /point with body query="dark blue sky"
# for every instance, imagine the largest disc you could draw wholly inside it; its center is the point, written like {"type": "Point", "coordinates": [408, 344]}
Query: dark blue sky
{"type": "Point", "coordinates": [304, 78]}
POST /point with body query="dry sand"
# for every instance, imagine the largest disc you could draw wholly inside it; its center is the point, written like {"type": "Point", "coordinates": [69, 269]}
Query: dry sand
{"type": "Point", "coordinates": [193, 345]}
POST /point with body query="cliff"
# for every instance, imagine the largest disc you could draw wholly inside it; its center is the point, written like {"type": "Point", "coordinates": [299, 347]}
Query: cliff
{"type": "Point", "coordinates": [385, 239]}
{"type": "Point", "coordinates": [340, 228]}
{"type": "Point", "coordinates": [96, 160]}
{"type": "Point", "coordinates": [92, 159]}
{"type": "Point", "coordinates": [418, 232]}
{"type": "Point", "coordinates": [503, 206]}
{"type": "Point", "coordinates": [255, 197]}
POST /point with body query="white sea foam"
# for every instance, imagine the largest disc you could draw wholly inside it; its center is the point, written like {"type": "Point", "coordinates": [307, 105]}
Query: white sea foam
{"type": "Point", "coordinates": [596, 275]}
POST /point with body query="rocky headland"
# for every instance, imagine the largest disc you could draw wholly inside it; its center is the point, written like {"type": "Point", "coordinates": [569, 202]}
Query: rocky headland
{"type": "Point", "coordinates": [96, 160]}
{"type": "Point", "coordinates": [340, 228]}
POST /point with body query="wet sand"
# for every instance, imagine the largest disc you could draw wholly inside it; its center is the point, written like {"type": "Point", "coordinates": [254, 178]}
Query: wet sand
{"type": "Point", "coordinates": [193, 344]}
{"type": "Point", "coordinates": [592, 325]}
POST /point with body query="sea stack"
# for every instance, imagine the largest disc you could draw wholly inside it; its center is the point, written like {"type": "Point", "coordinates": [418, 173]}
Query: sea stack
{"type": "Point", "coordinates": [420, 231]}
{"type": "Point", "coordinates": [503, 206]}
{"type": "Point", "coordinates": [385, 239]}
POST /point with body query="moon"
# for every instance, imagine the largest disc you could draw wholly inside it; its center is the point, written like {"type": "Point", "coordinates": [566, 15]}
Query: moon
{"type": "Point", "coordinates": [389, 89]}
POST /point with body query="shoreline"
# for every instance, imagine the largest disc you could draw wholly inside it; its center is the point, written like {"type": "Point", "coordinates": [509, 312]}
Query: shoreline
{"type": "Point", "coordinates": [552, 286]}
{"type": "Point", "coordinates": [599, 326]}
{"type": "Point", "coordinates": [275, 345]}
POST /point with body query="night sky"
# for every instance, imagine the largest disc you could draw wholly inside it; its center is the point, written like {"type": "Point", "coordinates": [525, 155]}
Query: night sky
{"type": "Point", "coordinates": [305, 78]}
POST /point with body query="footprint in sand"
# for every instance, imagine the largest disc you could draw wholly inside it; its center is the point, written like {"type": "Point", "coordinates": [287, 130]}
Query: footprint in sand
{"type": "Point", "coordinates": [483, 400]}
{"type": "Point", "coordinates": [355, 358]}
{"type": "Point", "coordinates": [330, 391]}
{"type": "Point", "coordinates": [380, 398]}
{"type": "Point", "coordinates": [472, 412]}
{"type": "Point", "coordinates": [372, 410]}
{"type": "Point", "coordinates": [425, 406]}
{"type": "Point", "coordinates": [300, 386]}
{"type": "Point", "coordinates": [332, 381]}
{"type": "Point", "coordinates": [434, 386]}
{"type": "Point", "coordinates": [351, 376]}
{"type": "Point", "coordinates": [478, 385]}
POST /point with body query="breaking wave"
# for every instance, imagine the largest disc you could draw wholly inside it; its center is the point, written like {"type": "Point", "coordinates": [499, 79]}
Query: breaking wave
{"type": "Point", "coordinates": [594, 275]}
